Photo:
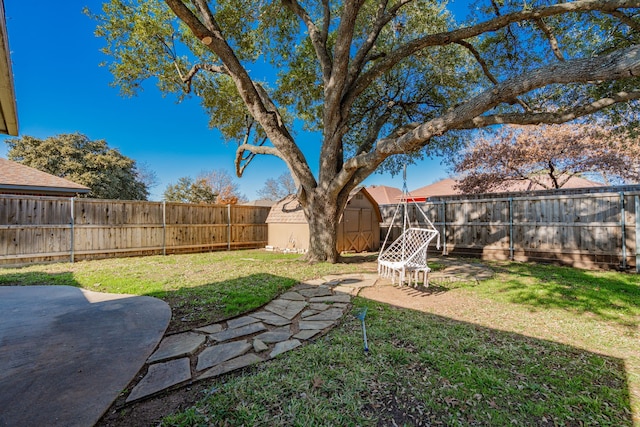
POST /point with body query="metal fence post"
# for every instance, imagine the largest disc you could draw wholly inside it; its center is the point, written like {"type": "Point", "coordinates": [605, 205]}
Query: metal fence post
{"type": "Point", "coordinates": [637, 211]}
{"type": "Point", "coordinates": [623, 231]}
{"type": "Point", "coordinates": [164, 227]}
{"type": "Point", "coordinates": [444, 228]}
{"type": "Point", "coordinates": [72, 239]}
{"type": "Point", "coordinates": [511, 249]}
{"type": "Point", "coordinates": [229, 227]}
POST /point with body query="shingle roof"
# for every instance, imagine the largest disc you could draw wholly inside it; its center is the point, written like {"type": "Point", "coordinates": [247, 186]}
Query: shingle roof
{"type": "Point", "coordinates": [18, 177]}
{"type": "Point", "coordinates": [446, 187]}
{"type": "Point", "coordinates": [384, 195]}
{"type": "Point", "coordinates": [288, 210]}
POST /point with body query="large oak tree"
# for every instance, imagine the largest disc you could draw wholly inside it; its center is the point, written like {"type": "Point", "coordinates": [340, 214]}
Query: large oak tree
{"type": "Point", "coordinates": [380, 80]}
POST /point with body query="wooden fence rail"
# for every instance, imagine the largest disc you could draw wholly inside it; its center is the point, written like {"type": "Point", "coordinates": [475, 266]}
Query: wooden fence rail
{"type": "Point", "coordinates": [45, 229]}
{"type": "Point", "coordinates": [581, 230]}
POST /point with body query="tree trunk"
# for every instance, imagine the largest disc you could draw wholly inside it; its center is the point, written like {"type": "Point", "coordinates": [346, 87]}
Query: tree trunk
{"type": "Point", "coordinates": [322, 214]}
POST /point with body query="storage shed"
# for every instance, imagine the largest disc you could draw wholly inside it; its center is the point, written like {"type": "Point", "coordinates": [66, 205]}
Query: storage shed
{"type": "Point", "coordinates": [358, 229]}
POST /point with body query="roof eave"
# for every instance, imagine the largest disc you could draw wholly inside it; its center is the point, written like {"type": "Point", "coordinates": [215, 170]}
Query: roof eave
{"type": "Point", "coordinates": [7, 92]}
{"type": "Point", "coordinates": [42, 189]}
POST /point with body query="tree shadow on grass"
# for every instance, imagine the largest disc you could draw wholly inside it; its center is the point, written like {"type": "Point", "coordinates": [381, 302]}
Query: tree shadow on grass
{"type": "Point", "coordinates": [608, 296]}
{"type": "Point", "coordinates": [213, 302]}
{"type": "Point", "coordinates": [439, 370]}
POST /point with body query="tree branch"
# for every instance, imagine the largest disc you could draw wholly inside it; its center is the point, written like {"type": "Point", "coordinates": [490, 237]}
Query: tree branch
{"type": "Point", "coordinates": [550, 117]}
{"type": "Point", "coordinates": [253, 99]}
{"type": "Point", "coordinates": [188, 78]}
{"type": "Point", "coordinates": [487, 72]}
{"type": "Point", "coordinates": [553, 41]}
{"type": "Point", "coordinates": [318, 38]}
{"type": "Point", "coordinates": [618, 65]}
{"type": "Point", "coordinates": [383, 17]}
{"type": "Point", "coordinates": [492, 25]}
{"type": "Point", "coordinates": [625, 19]}
{"type": "Point", "coordinates": [253, 149]}
{"type": "Point", "coordinates": [209, 20]}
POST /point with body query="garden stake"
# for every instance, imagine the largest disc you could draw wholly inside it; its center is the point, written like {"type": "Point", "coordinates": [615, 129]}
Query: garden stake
{"type": "Point", "coordinates": [364, 328]}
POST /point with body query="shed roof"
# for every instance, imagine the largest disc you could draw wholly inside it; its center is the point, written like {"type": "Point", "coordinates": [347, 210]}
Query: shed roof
{"type": "Point", "coordinates": [384, 195]}
{"type": "Point", "coordinates": [18, 178]}
{"type": "Point", "coordinates": [289, 210]}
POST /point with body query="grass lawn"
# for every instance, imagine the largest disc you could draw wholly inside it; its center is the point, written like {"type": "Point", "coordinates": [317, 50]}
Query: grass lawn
{"type": "Point", "coordinates": [535, 345]}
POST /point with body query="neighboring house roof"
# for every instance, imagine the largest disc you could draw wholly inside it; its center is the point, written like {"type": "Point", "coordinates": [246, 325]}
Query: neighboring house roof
{"type": "Point", "coordinates": [8, 111]}
{"type": "Point", "coordinates": [289, 210]}
{"type": "Point", "coordinates": [384, 195]}
{"type": "Point", "coordinates": [16, 178]}
{"type": "Point", "coordinates": [266, 203]}
{"type": "Point", "coordinates": [446, 187]}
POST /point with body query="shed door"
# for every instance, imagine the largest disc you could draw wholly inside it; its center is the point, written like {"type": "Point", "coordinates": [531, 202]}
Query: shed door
{"type": "Point", "coordinates": [358, 229]}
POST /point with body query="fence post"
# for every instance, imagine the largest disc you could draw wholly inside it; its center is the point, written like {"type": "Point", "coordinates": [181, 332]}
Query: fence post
{"type": "Point", "coordinates": [164, 227]}
{"type": "Point", "coordinates": [444, 227]}
{"type": "Point", "coordinates": [511, 250]}
{"type": "Point", "coordinates": [637, 210]}
{"type": "Point", "coordinates": [73, 214]}
{"type": "Point", "coordinates": [229, 227]}
{"type": "Point", "coordinates": [623, 231]}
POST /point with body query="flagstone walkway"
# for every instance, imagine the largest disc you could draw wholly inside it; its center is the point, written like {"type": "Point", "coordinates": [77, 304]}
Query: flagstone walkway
{"type": "Point", "coordinates": [307, 311]}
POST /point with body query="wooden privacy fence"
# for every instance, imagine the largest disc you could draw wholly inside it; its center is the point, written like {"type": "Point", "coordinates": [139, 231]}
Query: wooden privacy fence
{"type": "Point", "coordinates": [581, 230]}
{"type": "Point", "coordinates": [43, 229]}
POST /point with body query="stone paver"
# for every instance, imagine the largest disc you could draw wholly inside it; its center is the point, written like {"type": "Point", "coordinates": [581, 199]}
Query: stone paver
{"type": "Point", "coordinates": [297, 316]}
{"type": "Point", "coordinates": [177, 345]}
{"type": "Point", "coordinates": [286, 308]}
{"type": "Point", "coordinates": [161, 376]}
{"type": "Point", "coordinates": [330, 314]}
{"type": "Point", "coordinates": [241, 321]}
{"type": "Point", "coordinates": [281, 347]}
{"type": "Point", "coordinates": [231, 365]}
{"type": "Point", "coordinates": [293, 296]}
{"type": "Point", "coordinates": [271, 318]}
{"type": "Point", "coordinates": [320, 291]}
{"type": "Point", "coordinates": [306, 334]}
{"type": "Point", "coordinates": [259, 346]}
{"type": "Point", "coordinates": [217, 354]}
{"type": "Point", "coordinates": [277, 335]}
{"type": "Point", "coordinates": [304, 324]}
{"type": "Point", "coordinates": [230, 334]}
{"type": "Point", "coordinates": [333, 298]}
{"type": "Point", "coordinates": [210, 329]}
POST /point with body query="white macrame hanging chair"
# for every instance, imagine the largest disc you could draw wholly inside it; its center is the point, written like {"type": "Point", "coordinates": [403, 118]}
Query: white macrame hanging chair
{"type": "Point", "coordinates": [406, 257]}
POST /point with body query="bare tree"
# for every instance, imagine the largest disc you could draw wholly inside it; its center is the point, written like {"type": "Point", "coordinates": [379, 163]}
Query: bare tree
{"type": "Point", "coordinates": [548, 156]}
{"type": "Point", "coordinates": [377, 78]}
{"type": "Point", "coordinates": [276, 189]}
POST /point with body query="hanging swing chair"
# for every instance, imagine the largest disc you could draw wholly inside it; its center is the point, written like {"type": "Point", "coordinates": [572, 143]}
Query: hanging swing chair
{"type": "Point", "coordinates": [406, 257]}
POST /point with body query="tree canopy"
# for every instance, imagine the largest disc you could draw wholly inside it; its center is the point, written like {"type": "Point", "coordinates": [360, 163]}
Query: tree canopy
{"type": "Point", "coordinates": [108, 173]}
{"type": "Point", "coordinates": [187, 190]}
{"type": "Point", "coordinates": [215, 186]}
{"type": "Point", "coordinates": [382, 81]}
{"type": "Point", "coordinates": [278, 188]}
{"type": "Point", "coordinates": [548, 155]}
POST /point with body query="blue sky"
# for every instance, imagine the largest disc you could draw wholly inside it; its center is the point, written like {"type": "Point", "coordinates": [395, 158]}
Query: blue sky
{"type": "Point", "coordinates": [60, 88]}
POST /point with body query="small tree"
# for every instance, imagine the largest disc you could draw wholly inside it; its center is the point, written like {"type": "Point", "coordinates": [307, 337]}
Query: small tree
{"type": "Point", "coordinates": [187, 190]}
{"type": "Point", "coordinates": [215, 186]}
{"type": "Point", "coordinates": [276, 189]}
{"type": "Point", "coordinates": [108, 173]}
{"type": "Point", "coordinates": [548, 156]}
{"type": "Point", "coordinates": [223, 184]}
